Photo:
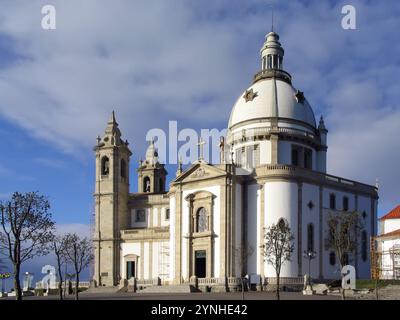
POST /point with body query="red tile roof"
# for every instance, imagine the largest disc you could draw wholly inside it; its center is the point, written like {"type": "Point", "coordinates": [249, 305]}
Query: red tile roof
{"type": "Point", "coordinates": [393, 233]}
{"type": "Point", "coordinates": [394, 214]}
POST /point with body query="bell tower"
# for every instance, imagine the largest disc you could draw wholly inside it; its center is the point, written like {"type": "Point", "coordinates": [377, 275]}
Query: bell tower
{"type": "Point", "coordinates": [111, 202]}
{"type": "Point", "coordinates": [151, 173]}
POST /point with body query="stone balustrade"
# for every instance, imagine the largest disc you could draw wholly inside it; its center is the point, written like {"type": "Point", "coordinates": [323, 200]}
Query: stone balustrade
{"type": "Point", "coordinates": [82, 284]}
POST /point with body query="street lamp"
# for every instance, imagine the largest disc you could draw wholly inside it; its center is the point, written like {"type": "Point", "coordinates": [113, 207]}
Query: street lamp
{"type": "Point", "coordinates": [309, 254]}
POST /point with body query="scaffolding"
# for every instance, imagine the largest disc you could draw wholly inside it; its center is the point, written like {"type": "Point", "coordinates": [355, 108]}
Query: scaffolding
{"type": "Point", "coordinates": [163, 270]}
{"type": "Point", "coordinates": [385, 264]}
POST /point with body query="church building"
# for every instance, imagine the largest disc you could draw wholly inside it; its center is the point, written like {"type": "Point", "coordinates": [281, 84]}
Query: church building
{"type": "Point", "coordinates": [210, 221]}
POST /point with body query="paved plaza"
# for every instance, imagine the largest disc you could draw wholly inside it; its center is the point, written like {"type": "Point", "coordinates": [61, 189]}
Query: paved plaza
{"type": "Point", "coordinates": [192, 296]}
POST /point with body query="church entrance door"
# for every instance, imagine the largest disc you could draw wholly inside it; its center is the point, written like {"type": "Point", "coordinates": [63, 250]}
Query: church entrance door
{"type": "Point", "coordinates": [200, 264]}
{"type": "Point", "coordinates": [130, 269]}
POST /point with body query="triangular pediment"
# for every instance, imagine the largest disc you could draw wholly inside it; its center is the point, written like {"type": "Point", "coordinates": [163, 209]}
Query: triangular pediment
{"type": "Point", "coordinates": [200, 171]}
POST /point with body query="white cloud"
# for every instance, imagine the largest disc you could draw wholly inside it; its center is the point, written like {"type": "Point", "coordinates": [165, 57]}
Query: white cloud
{"type": "Point", "coordinates": [155, 61]}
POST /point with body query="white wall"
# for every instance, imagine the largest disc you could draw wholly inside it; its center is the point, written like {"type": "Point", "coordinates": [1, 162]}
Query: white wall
{"type": "Point", "coordinates": [155, 217]}
{"type": "Point", "coordinates": [390, 225]}
{"type": "Point", "coordinates": [281, 202]}
{"type": "Point", "coordinates": [126, 249]}
{"type": "Point", "coordinates": [146, 262]}
{"type": "Point", "coordinates": [238, 226]}
{"type": "Point", "coordinates": [160, 259]}
{"type": "Point", "coordinates": [363, 204]}
{"type": "Point", "coordinates": [252, 225]}
{"type": "Point", "coordinates": [172, 206]}
{"type": "Point", "coordinates": [310, 193]}
{"type": "Point", "coordinates": [265, 152]}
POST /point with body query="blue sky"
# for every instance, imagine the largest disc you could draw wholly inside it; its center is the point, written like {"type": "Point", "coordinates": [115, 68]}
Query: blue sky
{"type": "Point", "coordinates": [155, 61]}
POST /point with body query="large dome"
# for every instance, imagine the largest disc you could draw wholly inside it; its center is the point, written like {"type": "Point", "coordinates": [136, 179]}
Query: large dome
{"type": "Point", "coordinates": [271, 98]}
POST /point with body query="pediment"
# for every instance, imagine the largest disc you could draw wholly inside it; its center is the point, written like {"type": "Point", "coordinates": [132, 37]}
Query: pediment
{"type": "Point", "coordinates": [200, 171]}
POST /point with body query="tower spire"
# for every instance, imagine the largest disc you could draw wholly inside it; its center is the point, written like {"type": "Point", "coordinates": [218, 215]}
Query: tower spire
{"type": "Point", "coordinates": [113, 120]}
{"type": "Point", "coordinates": [272, 18]}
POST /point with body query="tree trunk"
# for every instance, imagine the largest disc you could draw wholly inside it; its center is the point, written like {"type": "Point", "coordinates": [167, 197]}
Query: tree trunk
{"type": "Point", "coordinates": [17, 284]}
{"type": "Point", "coordinates": [278, 297]}
{"type": "Point", "coordinates": [77, 286]}
{"type": "Point", "coordinates": [60, 288]}
{"type": "Point", "coordinates": [60, 280]}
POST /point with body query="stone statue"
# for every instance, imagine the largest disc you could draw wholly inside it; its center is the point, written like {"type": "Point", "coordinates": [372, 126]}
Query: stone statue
{"type": "Point", "coordinates": [106, 166]}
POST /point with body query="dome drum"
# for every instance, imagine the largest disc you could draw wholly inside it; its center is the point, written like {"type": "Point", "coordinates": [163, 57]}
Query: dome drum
{"type": "Point", "coordinates": [273, 73]}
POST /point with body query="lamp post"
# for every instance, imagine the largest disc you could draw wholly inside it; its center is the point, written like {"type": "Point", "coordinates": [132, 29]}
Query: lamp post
{"type": "Point", "coordinates": [309, 254]}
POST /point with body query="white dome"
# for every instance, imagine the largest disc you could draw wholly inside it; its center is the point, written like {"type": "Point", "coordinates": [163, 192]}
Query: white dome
{"type": "Point", "coordinates": [271, 98]}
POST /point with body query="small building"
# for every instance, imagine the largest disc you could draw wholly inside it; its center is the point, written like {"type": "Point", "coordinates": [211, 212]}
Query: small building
{"type": "Point", "coordinates": [388, 245]}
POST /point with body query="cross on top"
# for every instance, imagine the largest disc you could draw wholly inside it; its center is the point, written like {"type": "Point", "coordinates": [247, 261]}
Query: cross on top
{"type": "Point", "coordinates": [201, 144]}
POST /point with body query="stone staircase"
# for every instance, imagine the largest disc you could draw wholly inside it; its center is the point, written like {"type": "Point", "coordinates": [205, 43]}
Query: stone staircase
{"type": "Point", "coordinates": [181, 288]}
{"type": "Point", "coordinates": [101, 289]}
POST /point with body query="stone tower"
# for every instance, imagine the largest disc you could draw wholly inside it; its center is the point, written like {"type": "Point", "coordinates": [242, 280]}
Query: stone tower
{"type": "Point", "coordinates": [111, 202]}
{"type": "Point", "coordinates": [151, 173]}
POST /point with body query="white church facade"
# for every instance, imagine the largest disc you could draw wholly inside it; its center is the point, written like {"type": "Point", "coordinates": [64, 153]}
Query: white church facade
{"type": "Point", "coordinates": [210, 222]}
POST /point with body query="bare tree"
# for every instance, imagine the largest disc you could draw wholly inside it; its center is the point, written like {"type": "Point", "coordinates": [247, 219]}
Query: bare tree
{"type": "Point", "coordinates": [241, 254]}
{"type": "Point", "coordinates": [27, 229]}
{"type": "Point", "coordinates": [58, 247]}
{"type": "Point", "coordinates": [343, 232]}
{"type": "Point", "coordinates": [79, 253]}
{"type": "Point", "coordinates": [278, 247]}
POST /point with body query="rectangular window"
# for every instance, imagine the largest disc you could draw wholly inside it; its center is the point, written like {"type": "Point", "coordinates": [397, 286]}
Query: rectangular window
{"type": "Point", "coordinates": [167, 214]}
{"type": "Point", "coordinates": [332, 201]}
{"type": "Point", "coordinates": [307, 158]}
{"type": "Point", "coordinates": [256, 156]}
{"type": "Point", "coordinates": [345, 203]}
{"type": "Point", "coordinates": [238, 157]}
{"type": "Point", "coordinates": [250, 155]}
{"type": "Point", "coordinates": [295, 156]}
{"type": "Point", "coordinates": [140, 215]}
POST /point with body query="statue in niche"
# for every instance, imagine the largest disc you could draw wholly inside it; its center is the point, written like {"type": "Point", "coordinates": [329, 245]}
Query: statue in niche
{"type": "Point", "coordinates": [105, 166]}
{"type": "Point", "coordinates": [202, 220]}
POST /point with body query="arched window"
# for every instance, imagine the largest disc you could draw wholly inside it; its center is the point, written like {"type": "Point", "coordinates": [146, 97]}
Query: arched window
{"type": "Point", "coordinates": [332, 258]}
{"type": "Point", "coordinates": [332, 201]}
{"type": "Point", "coordinates": [146, 184]}
{"type": "Point", "coordinates": [310, 237]}
{"type": "Point", "coordinates": [364, 246]}
{"type": "Point", "coordinates": [105, 166]}
{"type": "Point", "coordinates": [161, 185]}
{"type": "Point", "coordinates": [201, 220]}
{"type": "Point", "coordinates": [123, 168]}
{"type": "Point", "coordinates": [345, 203]}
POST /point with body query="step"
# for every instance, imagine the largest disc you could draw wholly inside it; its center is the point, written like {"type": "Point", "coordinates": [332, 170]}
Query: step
{"type": "Point", "coordinates": [182, 288]}
{"type": "Point", "coordinates": [103, 289]}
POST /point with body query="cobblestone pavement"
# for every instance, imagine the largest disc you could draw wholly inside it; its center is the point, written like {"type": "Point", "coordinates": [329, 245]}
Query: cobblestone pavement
{"type": "Point", "coordinates": [192, 296]}
{"type": "Point", "coordinates": [391, 292]}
